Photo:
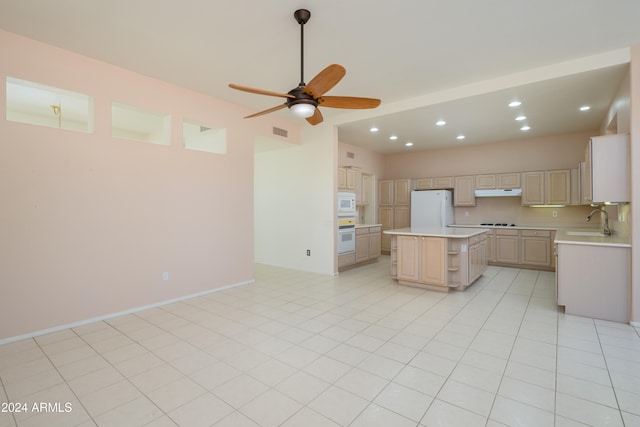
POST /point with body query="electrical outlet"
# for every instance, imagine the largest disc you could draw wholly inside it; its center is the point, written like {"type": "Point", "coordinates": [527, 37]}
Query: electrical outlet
{"type": "Point", "coordinates": [554, 214]}
{"type": "Point", "coordinates": [466, 213]}
{"type": "Point", "coordinates": [165, 275]}
{"type": "Point", "coordinates": [308, 252]}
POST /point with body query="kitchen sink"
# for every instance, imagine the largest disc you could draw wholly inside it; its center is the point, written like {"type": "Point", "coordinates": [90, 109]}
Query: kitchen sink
{"type": "Point", "coordinates": [586, 233]}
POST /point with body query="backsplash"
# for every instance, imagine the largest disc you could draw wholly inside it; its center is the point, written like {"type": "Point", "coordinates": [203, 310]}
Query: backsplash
{"type": "Point", "coordinates": [509, 210]}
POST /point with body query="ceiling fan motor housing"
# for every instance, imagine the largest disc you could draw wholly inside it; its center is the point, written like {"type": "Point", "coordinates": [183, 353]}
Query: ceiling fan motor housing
{"type": "Point", "coordinates": [300, 97]}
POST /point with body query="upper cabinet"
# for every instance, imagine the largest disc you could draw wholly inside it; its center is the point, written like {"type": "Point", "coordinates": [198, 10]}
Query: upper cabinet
{"type": "Point", "coordinates": [533, 188]}
{"type": "Point", "coordinates": [605, 175]}
{"type": "Point", "coordinates": [498, 181]}
{"type": "Point", "coordinates": [402, 192]}
{"type": "Point", "coordinates": [440, 183]}
{"type": "Point", "coordinates": [558, 187]}
{"type": "Point", "coordinates": [546, 187]}
{"type": "Point", "coordinates": [464, 191]}
{"type": "Point", "coordinates": [346, 179]}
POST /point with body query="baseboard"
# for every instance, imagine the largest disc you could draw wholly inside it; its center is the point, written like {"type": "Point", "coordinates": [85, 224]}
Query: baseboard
{"type": "Point", "coordinates": [119, 313]}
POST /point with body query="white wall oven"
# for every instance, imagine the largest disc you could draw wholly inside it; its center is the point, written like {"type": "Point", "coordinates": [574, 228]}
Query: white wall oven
{"type": "Point", "coordinates": [346, 235]}
{"type": "Point", "coordinates": [346, 204]}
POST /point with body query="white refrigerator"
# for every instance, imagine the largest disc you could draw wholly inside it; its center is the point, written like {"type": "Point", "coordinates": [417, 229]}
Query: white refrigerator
{"type": "Point", "coordinates": [432, 208]}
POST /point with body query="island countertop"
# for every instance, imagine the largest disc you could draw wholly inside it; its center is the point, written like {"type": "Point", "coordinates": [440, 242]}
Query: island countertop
{"type": "Point", "coordinates": [451, 232]}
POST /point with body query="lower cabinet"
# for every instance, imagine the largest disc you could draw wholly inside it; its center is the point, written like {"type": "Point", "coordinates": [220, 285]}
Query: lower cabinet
{"type": "Point", "coordinates": [535, 247]}
{"type": "Point", "coordinates": [367, 248]}
{"type": "Point", "coordinates": [521, 248]}
{"type": "Point", "coordinates": [438, 263]}
{"type": "Point", "coordinates": [507, 246]}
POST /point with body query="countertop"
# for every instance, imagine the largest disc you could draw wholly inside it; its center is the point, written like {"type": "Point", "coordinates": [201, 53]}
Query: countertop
{"type": "Point", "coordinates": [368, 225]}
{"type": "Point", "coordinates": [563, 236]}
{"type": "Point", "coordinates": [453, 232]}
{"type": "Point", "coordinates": [618, 240]}
{"type": "Point", "coordinates": [515, 227]}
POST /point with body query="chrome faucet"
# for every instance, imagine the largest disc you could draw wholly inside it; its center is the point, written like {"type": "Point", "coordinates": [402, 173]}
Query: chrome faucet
{"type": "Point", "coordinates": [606, 231]}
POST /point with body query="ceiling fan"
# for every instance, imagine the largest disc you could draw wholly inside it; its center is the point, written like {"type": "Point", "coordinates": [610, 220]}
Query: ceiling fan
{"type": "Point", "coordinates": [304, 100]}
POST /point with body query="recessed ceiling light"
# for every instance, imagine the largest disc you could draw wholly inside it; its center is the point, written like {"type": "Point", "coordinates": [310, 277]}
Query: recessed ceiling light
{"type": "Point", "coordinates": [521, 118]}
{"type": "Point", "coordinates": [585, 108]}
{"type": "Point", "coordinates": [393, 137]}
{"type": "Point", "coordinates": [441, 123]}
{"type": "Point", "coordinates": [525, 127]}
{"type": "Point", "coordinates": [374, 129]}
{"type": "Point", "coordinates": [515, 104]}
{"type": "Point", "coordinates": [409, 144]}
{"type": "Point", "coordinates": [460, 137]}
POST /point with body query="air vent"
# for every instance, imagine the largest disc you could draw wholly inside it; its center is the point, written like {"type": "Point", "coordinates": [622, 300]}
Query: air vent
{"type": "Point", "coordinates": [350, 155]}
{"type": "Point", "coordinates": [204, 128]}
{"type": "Point", "coordinates": [280, 132]}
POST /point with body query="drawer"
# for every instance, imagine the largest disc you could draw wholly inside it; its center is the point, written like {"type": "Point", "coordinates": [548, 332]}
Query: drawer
{"type": "Point", "coordinates": [362, 230]}
{"type": "Point", "coordinates": [346, 260]}
{"type": "Point", "coordinates": [374, 230]}
{"type": "Point", "coordinates": [502, 232]}
{"type": "Point", "coordinates": [535, 233]}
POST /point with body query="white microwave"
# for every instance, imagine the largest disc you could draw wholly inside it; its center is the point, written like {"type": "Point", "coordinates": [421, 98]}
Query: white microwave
{"type": "Point", "coordinates": [346, 204]}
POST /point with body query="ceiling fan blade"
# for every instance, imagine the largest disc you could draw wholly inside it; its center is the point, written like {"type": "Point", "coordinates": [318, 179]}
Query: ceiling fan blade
{"type": "Point", "coordinates": [350, 102]}
{"type": "Point", "coordinates": [260, 91]}
{"type": "Point", "coordinates": [325, 80]}
{"type": "Point", "coordinates": [316, 118]}
{"type": "Point", "coordinates": [270, 110]}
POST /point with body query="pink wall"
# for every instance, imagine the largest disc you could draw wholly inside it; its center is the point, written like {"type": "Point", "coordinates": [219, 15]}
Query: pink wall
{"type": "Point", "coordinates": [89, 223]}
{"type": "Point", "coordinates": [370, 162]}
{"type": "Point", "coordinates": [556, 152]}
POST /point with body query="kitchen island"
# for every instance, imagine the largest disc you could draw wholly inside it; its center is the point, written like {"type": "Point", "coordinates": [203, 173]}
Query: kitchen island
{"type": "Point", "coordinates": [438, 258]}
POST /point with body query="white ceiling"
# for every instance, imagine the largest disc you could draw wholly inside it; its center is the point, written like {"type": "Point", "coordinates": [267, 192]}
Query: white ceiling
{"type": "Point", "coordinates": [461, 61]}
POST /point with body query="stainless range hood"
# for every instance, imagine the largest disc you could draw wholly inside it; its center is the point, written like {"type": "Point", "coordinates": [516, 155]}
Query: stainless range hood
{"type": "Point", "coordinates": [511, 192]}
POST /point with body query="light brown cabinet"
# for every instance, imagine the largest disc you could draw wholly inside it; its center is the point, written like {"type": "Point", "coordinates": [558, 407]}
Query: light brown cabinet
{"type": "Point", "coordinates": [374, 242]}
{"type": "Point", "coordinates": [464, 191]}
{"type": "Point", "coordinates": [421, 259]}
{"type": "Point", "coordinates": [346, 179]}
{"type": "Point", "coordinates": [385, 217]}
{"type": "Point", "coordinates": [402, 192]}
{"type": "Point", "coordinates": [438, 262]}
{"type": "Point", "coordinates": [424, 184]}
{"type": "Point", "coordinates": [558, 187]}
{"type": "Point", "coordinates": [533, 188]}
{"type": "Point", "coordinates": [408, 256]}
{"type": "Point", "coordinates": [365, 185]}
{"type": "Point", "coordinates": [546, 187]}
{"type": "Point", "coordinates": [498, 181]}
{"type": "Point", "coordinates": [367, 248]}
{"type": "Point", "coordinates": [520, 247]}
{"type": "Point", "coordinates": [509, 180]}
{"type": "Point", "coordinates": [491, 245]}
{"type": "Point", "coordinates": [362, 244]}
{"type": "Point", "coordinates": [394, 208]}
{"type": "Point", "coordinates": [507, 246]}
{"type": "Point", "coordinates": [535, 247]}
{"type": "Point", "coordinates": [432, 262]}
{"type": "Point", "coordinates": [440, 183]}
{"type": "Point", "coordinates": [401, 216]}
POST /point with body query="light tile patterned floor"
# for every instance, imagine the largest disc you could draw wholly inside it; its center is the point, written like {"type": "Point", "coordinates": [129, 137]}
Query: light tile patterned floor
{"type": "Point", "coordinates": [302, 349]}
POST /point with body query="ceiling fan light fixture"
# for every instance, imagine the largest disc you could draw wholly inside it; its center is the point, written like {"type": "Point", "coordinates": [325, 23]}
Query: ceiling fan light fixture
{"type": "Point", "coordinates": [303, 110]}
